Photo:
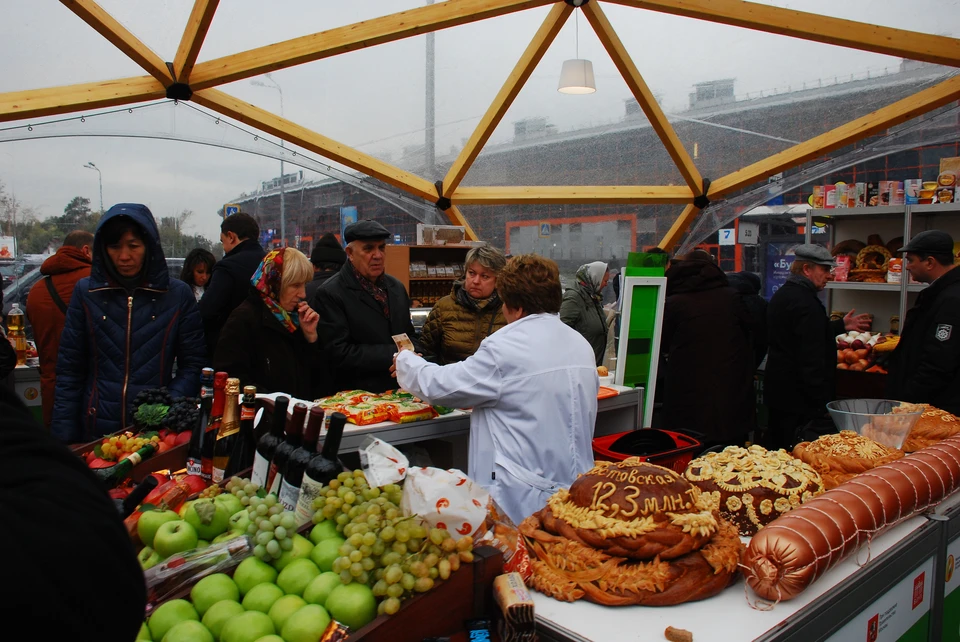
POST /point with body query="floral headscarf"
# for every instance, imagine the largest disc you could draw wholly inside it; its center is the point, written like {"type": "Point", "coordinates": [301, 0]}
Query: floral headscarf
{"type": "Point", "coordinates": [590, 276]}
{"type": "Point", "coordinates": [267, 281]}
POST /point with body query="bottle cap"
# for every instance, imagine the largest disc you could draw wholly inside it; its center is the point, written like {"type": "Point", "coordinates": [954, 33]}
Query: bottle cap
{"type": "Point", "coordinates": [249, 393]}
{"type": "Point", "coordinates": [233, 386]}
{"type": "Point", "coordinates": [220, 380]}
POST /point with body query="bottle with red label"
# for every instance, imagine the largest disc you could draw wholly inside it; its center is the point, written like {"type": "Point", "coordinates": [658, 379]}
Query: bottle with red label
{"type": "Point", "coordinates": [245, 446]}
{"type": "Point", "coordinates": [213, 425]}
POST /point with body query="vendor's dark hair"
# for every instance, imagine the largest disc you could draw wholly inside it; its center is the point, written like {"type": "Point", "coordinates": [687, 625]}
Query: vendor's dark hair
{"type": "Point", "coordinates": [114, 229]}
{"type": "Point", "coordinates": [532, 283]}
{"type": "Point", "coordinates": [196, 257]}
{"type": "Point", "coordinates": [942, 259]}
{"type": "Point", "coordinates": [243, 225]}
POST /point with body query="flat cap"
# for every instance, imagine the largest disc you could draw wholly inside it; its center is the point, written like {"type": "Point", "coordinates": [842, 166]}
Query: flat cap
{"type": "Point", "coordinates": [814, 253]}
{"type": "Point", "coordinates": [365, 230]}
{"type": "Point", "coordinates": [929, 242]}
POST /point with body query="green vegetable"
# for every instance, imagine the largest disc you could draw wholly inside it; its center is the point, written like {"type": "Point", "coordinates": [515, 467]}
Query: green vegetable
{"type": "Point", "coordinates": [443, 410]}
{"type": "Point", "coordinates": [151, 414]}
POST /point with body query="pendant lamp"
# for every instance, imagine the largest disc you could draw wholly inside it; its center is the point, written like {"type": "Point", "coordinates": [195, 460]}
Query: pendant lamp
{"type": "Point", "coordinates": [576, 75]}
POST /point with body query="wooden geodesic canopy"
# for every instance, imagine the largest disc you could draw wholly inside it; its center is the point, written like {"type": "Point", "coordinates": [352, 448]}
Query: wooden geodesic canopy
{"type": "Point", "coordinates": [186, 79]}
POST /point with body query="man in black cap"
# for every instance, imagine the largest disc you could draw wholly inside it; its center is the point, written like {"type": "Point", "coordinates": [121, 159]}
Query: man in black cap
{"type": "Point", "coordinates": [360, 309]}
{"type": "Point", "coordinates": [327, 258]}
{"type": "Point", "coordinates": [801, 355]}
{"type": "Point", "coordinates": [925, 367]}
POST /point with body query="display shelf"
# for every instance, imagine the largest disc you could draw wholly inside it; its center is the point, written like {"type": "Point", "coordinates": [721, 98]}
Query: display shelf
{"type": "Point", "coordinates": [882, 211]}
{"type": "Point", "coordinates": [873, 287]}
{"type": "Point", "coordinates": [433, 278]}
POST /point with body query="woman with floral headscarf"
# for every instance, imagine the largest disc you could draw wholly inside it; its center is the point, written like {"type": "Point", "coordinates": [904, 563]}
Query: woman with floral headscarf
{"type": "Point", "coordinates": [270, 340]}
{"type": "Point", "coordinates": [581, 308]}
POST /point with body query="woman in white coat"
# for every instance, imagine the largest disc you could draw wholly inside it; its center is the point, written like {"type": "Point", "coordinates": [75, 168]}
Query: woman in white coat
{"type": "Point", "coordinates": [533, 389]}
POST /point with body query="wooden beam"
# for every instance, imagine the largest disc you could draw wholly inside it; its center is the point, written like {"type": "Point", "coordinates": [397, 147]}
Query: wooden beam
{"type": "Point", "coordinates": [515, 81]}
{"type": "Point", "coordinates": [645, 98]}
{"type": "Point", "coordinates": [193, 37]}
{"type": "Point", "coordinates": [352, 37]}
{"type": "Point", "coordinates": [901, 111]}
{"type": "Point", "coordinates": [291, 132]}
{"type": "Point", "coordinates": [33, 103]}
{"type": "Point", "coordinates": [612, 194]}
{"type": "Point", "coordinates": [457, 218]}
{"type": "Point", "coordinates": [108, 27]}
{"type": "Point", "coordinates": [812, 26]}
{"type": "Point", "coordinates": [679, 227]}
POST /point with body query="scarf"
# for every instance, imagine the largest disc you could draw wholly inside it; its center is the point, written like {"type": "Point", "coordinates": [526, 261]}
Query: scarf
{"type": "Point", "coordinates": [374, 289]}
{"type": "Point", "coordinates": [267, 281]}
{"type": "Point", "coordinates": [590, 276]}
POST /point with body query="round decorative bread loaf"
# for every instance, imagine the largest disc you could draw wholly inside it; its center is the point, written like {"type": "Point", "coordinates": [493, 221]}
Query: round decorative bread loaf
{"type": "Point", "coordinates": [934, 425]}
{"type": "Point", "coordinates": [873, 257]}
{"type": "Point", "coordinates": [841, 456]}
{"type": "Point", "coordinates": [632, 509]}
{"type": "Point", "coordinates": [752, 486]}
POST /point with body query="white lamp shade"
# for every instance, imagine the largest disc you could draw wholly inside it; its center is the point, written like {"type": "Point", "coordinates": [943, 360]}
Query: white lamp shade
{"type": "Point", "coordinates": [576, 77]}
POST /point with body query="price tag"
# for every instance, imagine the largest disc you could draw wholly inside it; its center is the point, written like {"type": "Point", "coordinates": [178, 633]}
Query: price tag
{"type": "Point", "coordinates": [727, 236]}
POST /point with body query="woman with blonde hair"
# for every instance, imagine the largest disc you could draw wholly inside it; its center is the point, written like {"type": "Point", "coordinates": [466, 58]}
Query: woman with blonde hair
{"type": "Point", "coordinates": [270, 340]}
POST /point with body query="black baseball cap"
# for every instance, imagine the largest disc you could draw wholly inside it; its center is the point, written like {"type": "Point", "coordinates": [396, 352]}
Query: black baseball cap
{"type": "Point", "coordinates": [365, 230]}
{"type": "Point", "coordinates": [929, 242]}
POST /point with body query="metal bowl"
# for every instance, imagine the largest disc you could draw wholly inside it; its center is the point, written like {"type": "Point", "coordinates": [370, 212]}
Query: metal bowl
{"type": "Point", "coordinates": [882, 420]}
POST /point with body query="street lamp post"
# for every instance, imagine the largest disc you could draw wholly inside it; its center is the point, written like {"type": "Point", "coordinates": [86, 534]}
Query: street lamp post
{"type": "Point", "coordinates": [283, 218]}
{"type": "Point", "coordinates": [90, 165]}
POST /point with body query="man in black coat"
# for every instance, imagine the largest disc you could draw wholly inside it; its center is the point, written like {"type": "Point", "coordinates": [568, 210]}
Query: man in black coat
{"type": "Point", "coordinates": [70, 559]}
{"type": "Point", "coordinates": [925, 367]}
{"type": "Point", "coordinates": [327, 258]}
{"type": "Point", "coordinates": [747, 285]}
{"type": "Point", "coordinates": [230, 281]}
{"type": "Point", "coordinates": [709, 364]}
{"type": "Point", "coordinates": [360, 309]}
{"type": "Point", "coordinates": [802, 353]}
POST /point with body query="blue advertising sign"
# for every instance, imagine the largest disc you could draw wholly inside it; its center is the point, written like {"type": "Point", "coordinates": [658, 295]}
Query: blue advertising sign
{"type": "Point", "coordinates": [779, 259]}
{"type": "Point", "coordinates": [348, 215]}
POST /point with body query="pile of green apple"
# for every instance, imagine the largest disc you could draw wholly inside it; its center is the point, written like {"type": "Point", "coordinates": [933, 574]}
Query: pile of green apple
{"type": "Point", "coordinates": [261, 604]}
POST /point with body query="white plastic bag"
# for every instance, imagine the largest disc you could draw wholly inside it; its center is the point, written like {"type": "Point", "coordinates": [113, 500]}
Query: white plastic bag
{"type": "Point", "coordinates": [445, 499]}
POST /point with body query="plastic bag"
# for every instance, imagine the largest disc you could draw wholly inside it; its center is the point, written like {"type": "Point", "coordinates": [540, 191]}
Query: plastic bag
{"type": "Point", "coordinates": [445, 499]}
{"type": "Point", "coordinates": [382, 463]}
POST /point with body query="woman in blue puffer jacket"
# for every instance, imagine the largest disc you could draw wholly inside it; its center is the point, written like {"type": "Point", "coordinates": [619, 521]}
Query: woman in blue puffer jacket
{"type": "Point", "coordinates": [126, 325]}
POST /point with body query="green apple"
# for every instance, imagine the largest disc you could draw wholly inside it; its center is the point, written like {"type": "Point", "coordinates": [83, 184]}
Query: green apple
{"type": "Point", "coordinates": [306, 625]}
{"type": "Point", "coordinates": [325, 552]}
{"type": "Point", "coordinates": [296, 576]}
{"type": "Point", "coordinates": [183, 509]}
{"type": "Point", "coordinates": [253, 571]}
{"type": "Point", "coordinates": [168, 615]}
{"type": "Point", "coordinates": [261, 597]}
{"type": "Point", "coordinates": [283, 608]}
{"type": "Point", "coordinates": [230, 502]}
{"type": "Point", "coordinates": [208, 517]}
{"type": "Point", "coordinates": [352, 604]}
{"type": "Point", "coordinates": [144, 633]}
{"type": "Point", "coordinates": [270, 638]}
{"type": "Point", "coordinates": [211, 590]}
{"type": "Point", "coordinates": [148, 557]}
{"type": "Point", "coordinates": [218, 615]}
{"type": "Point", "coordinates": [150, 521]}
{"type": "Point", "coordinates": [239, 521]}
{"type": "Point", "coordinates": [188, 631]}
{"type": "Point", "coordinates": [248, 627]}
{"type": "Point", "coordinates": [173, 537]}
{"type": "Point", "coordinates": [319, 589]}
{"type": "Point", "coordinates": [302, 547]}
{"type": "Point", "coordinates": [202, 543]}
{"type": "Point", "coordinates": [324, 530]}
{"type": "Point", "coordinates": [226, 537]}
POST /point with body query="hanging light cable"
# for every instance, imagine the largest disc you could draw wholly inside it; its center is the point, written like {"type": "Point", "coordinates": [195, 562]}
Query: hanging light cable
{"type": "Point", "coordinates": [576, 76]}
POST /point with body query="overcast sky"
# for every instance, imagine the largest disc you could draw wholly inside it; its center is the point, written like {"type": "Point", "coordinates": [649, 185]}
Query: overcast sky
{"type": "Point", "coordinates": [374, 99]}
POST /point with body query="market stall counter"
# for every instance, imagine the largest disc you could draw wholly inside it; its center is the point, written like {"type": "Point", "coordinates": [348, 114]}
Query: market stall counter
{"type": "Point", "coordinates": [885, 596]}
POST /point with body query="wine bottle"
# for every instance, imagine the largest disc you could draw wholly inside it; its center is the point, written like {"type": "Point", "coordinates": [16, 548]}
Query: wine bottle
{"type": "Point", "coordinates": [195, 450]}
{"type": "Point", "coordinates": [299, 458]}
{"type": "Point", "coordinates": [129, 503]}
{"type": "Point", "coordinates": [291, 441]}
{"type": "Point", "coordinates": [244, 447]}
{"type": "Point", "coordinates": [213, 424]}
{"type": "Point", "coordinates": [268, 443]}
{"type": "Point", "coordinates": [321, 469]}
{"type": "Point", "coordinates": [229, 431]}
{"type": "Point", "coordinates": [113, 475]}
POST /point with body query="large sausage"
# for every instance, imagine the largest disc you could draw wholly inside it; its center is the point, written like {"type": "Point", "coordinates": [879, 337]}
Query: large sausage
{"type": "Point", "coordinates": [798, 547]}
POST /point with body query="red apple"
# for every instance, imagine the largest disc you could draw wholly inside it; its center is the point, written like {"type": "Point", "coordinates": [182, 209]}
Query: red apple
{"type": "Point", "coordinates": [162, 447]}
{"type": "Point", "coordinates": [843, 345]}
{"type": "Point", "coordinates": [195, 482]}
{"type": "Point", "coordinates": [183, 437]}
{"type": "Point", "coordinates": [857, 344]}
{"type": "Point", "coordinates": [170, 439]}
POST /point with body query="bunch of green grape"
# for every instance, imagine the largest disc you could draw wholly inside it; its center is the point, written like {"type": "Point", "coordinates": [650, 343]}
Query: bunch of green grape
{"type": "Point", "coordinates": [271, 527]}
{"type": "Point", "coordinates": [395, 555]}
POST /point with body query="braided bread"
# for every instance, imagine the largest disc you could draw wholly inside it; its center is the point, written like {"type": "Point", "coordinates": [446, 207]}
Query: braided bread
{"type": "Point", "coordinates": [933, 426]}
{"type": "Point", "coordinates": [839, 457]}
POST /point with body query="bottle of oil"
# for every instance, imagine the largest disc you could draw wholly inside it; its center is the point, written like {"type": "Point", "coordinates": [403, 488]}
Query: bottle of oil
{"type": "Point", "coordinates": [16, 335]}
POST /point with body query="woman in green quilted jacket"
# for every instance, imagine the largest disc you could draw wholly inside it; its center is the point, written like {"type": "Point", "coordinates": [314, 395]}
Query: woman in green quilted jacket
{"type": "Point", "coordinates": [469, 314]}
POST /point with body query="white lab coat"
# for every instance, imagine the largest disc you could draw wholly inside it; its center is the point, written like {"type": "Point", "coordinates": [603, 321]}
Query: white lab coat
{"type": "Point", "coordinates": [533, 389]}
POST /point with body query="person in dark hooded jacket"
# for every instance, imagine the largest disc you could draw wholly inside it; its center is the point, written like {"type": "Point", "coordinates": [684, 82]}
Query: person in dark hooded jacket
{"type": "Point", "coordinates": [328, 256]}
{"type": "Point", "coordinates": [127, 323]}
{"type": "Point", "coordinates": [706, 337]}
{"type": "Point", "coordinates": [747, 285]}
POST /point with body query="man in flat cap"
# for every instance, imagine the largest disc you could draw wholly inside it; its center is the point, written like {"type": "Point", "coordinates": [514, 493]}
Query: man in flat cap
{"type": "Point", "coordinates": [925, 367]}
{"type": "Point", "coordinates": [802, 352]}
{"type": "Point", "coordinates": [360, 309]}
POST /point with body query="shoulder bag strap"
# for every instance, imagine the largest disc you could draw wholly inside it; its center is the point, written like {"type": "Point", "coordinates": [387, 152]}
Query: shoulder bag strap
{"type": "Point", "coordinates": [54, 295]}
